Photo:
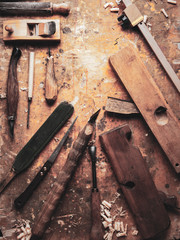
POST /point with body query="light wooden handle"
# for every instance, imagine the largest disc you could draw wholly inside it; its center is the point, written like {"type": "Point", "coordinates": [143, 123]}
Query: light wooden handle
{"type": "Point", "coordinates": [31, 74]}
{"type": "Point", "coordinates": [61, 8]}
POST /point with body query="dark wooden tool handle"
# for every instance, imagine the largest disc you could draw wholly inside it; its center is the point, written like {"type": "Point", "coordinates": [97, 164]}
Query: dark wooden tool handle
{"type": "Point", "coordinates": [96, 229]}
{"type": "Point", "coordinates": [63, 179]}
{"type": "Point", "coordinates": [12, 83]}
{"type": "Point", "coordinates": [23, 198]}
{"type": "Point", "coordinates": [51, 82]}
{"type": "Point", "coordinates": [33, 8]}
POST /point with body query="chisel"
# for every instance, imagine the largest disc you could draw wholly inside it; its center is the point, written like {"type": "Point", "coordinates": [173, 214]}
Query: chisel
{"type": "Point", "coordinates": [23, 198]}
{"type": "Point", "coordinates": [65, 175]}
{"type": "Point", "coordinates": [13, 89]}
{"type": "Point", "coordinates": [33, 8]}
{"type": "Point", "coordinates": [38, 141]}
{"type": "Point", "coordinates": [96, 228]}
{"type": "Point", "coordinates": [30, 83]}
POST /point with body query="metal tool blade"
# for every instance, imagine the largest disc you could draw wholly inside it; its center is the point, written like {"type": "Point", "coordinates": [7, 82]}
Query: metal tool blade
{"type": "Point", "coordinates": [157, 51]}
{"type": "Point", "coordinates": [94, 117]}
{"type": "Point", "coordinates": [59, 146]}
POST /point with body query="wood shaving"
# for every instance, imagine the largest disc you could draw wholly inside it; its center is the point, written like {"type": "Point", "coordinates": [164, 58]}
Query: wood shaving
{"type": "Point", "coordinates": [164, 12]}
{"type": "Point", "coordinates": [171, 1]}
{"type": "Point", "coordinates": [106, 204]}
{"type": "Point", "coordinates": [135, 232]}
{"type": "Point", "coordinates": [24, 230]}
{"type": "Point", "coordinates": [109, 4]}
{"type": "Point", "coordinates": [114, 9]}
{"type": "Point", "coordinates": [109, 218]}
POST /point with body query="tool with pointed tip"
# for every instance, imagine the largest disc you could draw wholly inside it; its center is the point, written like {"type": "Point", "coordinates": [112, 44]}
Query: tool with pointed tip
{"type": "Point", "coordinates": [30, 83]}
{"type": "Point", "coordinates": [38, 141]}
{"type": "Point", "coordinates": [63, 179]}
{"type": "Point", "coordinates": [96, 228]}
{"type": "Point", "coordinates": [23, 198]}
{"type": "Point", "coordinates": [33, 8]}
{"type": "Point", "coordinates": [50, 81]}
{"type": "Point", "coordinates": [132, 16]}
{"type": "Point", "coordinates": [13, 89]}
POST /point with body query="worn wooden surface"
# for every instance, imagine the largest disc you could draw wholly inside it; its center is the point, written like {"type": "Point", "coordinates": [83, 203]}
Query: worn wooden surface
{"type": "Point", "coordinates": [89, 36]}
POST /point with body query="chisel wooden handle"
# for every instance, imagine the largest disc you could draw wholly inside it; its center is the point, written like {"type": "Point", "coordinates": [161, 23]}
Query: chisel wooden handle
{"type": "Point", "coordinates": [33, 8]}
{"type": "Point", "coordinates": [51, 82]}
{"type": "Point", "coordinates": [96, 229]}
{"type": "Point", "coordinates": [13, 88]}
{"type": "Point", "coordinates": [64, 177]}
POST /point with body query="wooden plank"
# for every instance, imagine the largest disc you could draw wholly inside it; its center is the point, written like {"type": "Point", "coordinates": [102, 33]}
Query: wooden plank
{"type": "Point", "coordinates": [150, 102]}
{"type": "Point", "coordinates": [136, 182]}
{"type": "Point", "coordinates": [28, 29]}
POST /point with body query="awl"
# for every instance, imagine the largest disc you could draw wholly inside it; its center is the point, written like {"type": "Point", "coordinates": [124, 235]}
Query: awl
{"type": "Point", "coordinates": [23, 198]}
{"type": "Point", "coordinates": [30, 83]}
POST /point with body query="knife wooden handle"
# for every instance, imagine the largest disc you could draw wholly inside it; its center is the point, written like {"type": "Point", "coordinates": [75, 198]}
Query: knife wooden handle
{"type": "Point", "coordinates": [63, 179]}
{"type": "Point", "coordinates": [50, 82]}
{"type": "Point", "coordinates": [20, 201]}
{"type": "Point", "coordinates": [13, 88]}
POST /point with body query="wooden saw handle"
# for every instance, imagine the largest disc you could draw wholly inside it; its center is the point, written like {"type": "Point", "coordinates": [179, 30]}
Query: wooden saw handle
{"type": "Point", "coordinates": [61, 184]}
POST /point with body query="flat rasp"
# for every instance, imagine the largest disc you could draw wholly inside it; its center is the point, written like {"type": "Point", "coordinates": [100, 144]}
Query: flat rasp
{"type": "Point", "coordinates": [38, 141]}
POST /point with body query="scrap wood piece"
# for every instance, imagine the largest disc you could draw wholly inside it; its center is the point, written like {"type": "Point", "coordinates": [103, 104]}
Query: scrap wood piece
{"type": "Point", "coordinates": [136, 183]}
{"type": "Point", "coordinates": [150, 102]}
{"type": "Point", "coordinates": [120, 106]}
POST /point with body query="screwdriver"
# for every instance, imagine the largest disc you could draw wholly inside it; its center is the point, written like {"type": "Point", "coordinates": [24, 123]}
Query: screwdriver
{"type": "Point", "coordinates": [13, 89]}
{"type": "Point", "coordinates": [96, 228]}
{"type": "Point", "coordinates": [30, 83]}
{"type": "Point", "coordinates": [50, 81]}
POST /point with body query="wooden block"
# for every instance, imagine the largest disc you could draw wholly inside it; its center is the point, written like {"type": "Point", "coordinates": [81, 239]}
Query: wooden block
{"type": "Point", "coordinates": [133, 14]}
{"type": "Point", "coordinates": [150, 102]}
{"type": "Point", "coordinates": [136, 182]}
{"type": "Point", "coordinates": [30, 29]}
{"type": "Point", "coordinates": [120, 106]}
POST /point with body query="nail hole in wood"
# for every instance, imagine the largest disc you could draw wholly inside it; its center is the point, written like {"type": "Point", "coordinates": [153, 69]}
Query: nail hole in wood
{"type": "Point", "coordinates": [177, 164]}
{"type": "Point", "coordinates": [129, 184]}
{"type": "Point", "coordinates": [161, 116]}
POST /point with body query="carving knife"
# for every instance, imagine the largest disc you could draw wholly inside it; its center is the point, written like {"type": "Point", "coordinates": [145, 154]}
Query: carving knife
{"type": "Point", "coordinates": [23, 198]}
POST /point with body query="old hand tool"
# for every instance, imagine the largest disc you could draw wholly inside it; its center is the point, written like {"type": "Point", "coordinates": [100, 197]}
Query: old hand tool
{"type": "Point", "coordinates": [31, 30]}
{"type": "Point", "coordinates": [50, 81]}
{"type": "Point", "coordinates": [136, 182]}
{"type": "Point", "coordinates": [33, 8]}
{"type": "Point", "coordinates": [30, 83]}
{"type": "Point", "coordinates": [38, 141]}
{"type": "Point", "coordinates": [65, 175]}
{"type": "Point", "coordinates": [13, 89]}
{"type": "Point", "coordinates": [23, 198]}
{"type": "Point", "coordinates": [96, 229]}
{"type": "Point", "coordinates": [132, 16]}
{"type": "Point", "coordinates": [150, 102]}
{"type": "Point", "coordinates": [115, 105]}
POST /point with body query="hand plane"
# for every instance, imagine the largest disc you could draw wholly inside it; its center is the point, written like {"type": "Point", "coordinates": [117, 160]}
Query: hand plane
{"type": "Point", "coordinates": [31, 29]}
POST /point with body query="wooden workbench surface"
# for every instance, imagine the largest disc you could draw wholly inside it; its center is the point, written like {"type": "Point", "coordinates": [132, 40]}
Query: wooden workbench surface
{"type": "Point", "coordinates": [89, 36]}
